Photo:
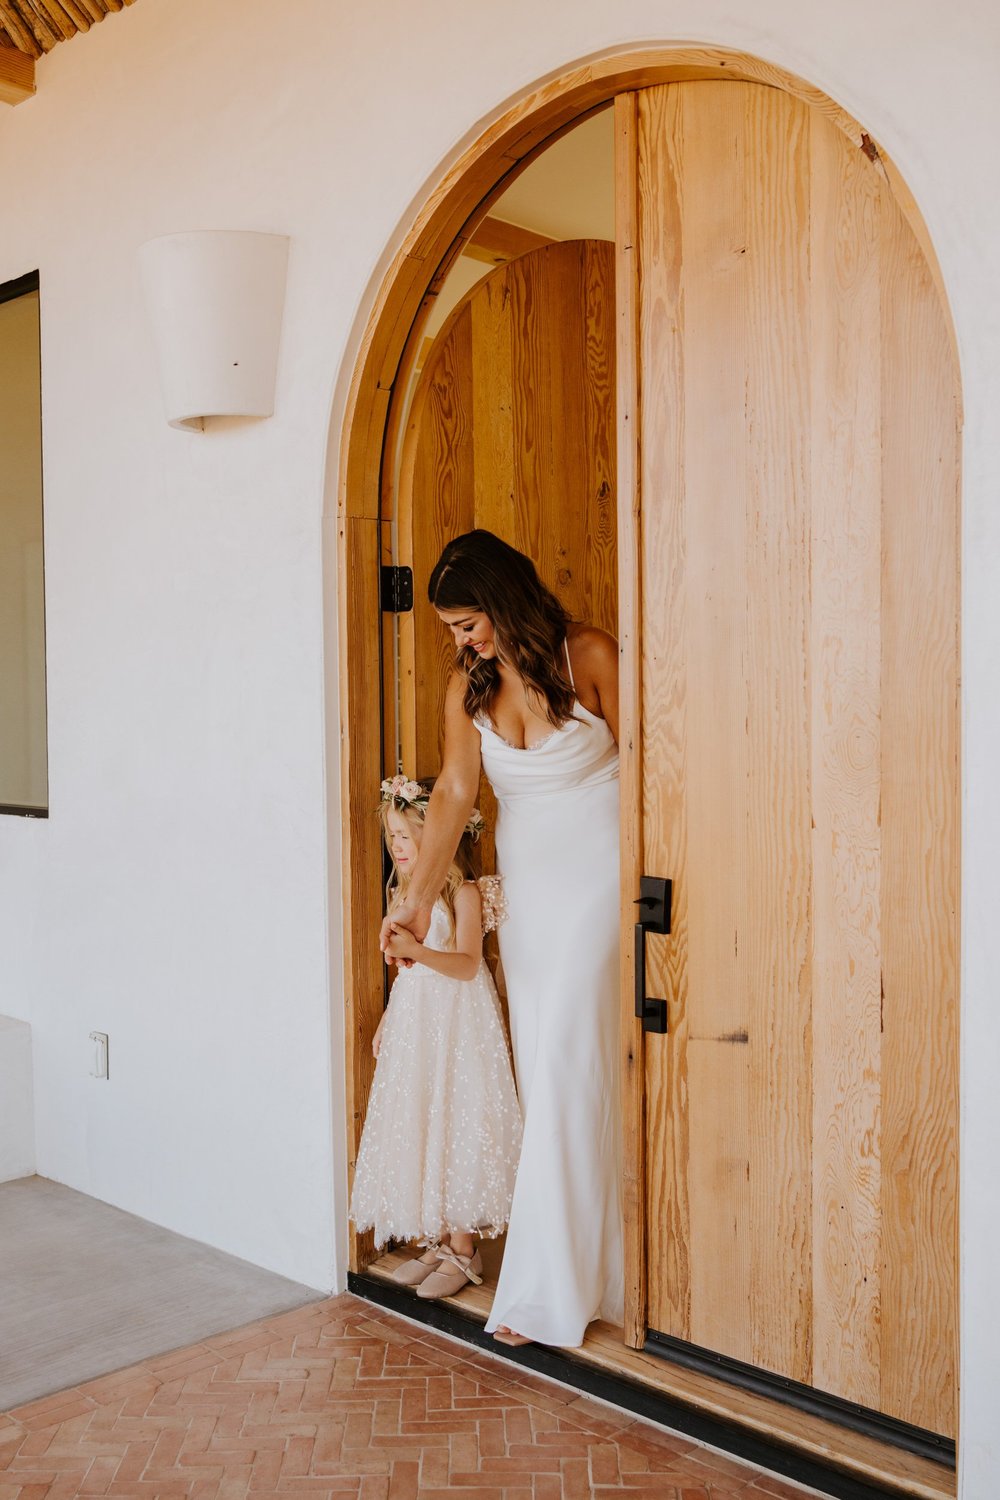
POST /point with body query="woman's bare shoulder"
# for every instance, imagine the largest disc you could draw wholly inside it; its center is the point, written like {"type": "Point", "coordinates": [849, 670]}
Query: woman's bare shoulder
{"type": "Point", "coordinates": [592, 647]}
{"type": "Point", "coordinates": [594, 659]}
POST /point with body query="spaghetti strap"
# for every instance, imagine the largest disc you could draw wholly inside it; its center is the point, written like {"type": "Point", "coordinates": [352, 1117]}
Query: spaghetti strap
{"type": "Point", "coordinates": [569, 664]}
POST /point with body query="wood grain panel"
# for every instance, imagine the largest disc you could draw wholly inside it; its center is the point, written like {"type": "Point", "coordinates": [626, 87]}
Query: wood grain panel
{"type": "Point", "coordinates": [561, 429]}
{"type": "Point", "coordinates": [437, 491]}
{"type": "Point", "coordinates": [497, 503]}
{"type": "Point", "coordinates": [17, 75]}
{"type": "Point", "coordinates": [799, 753]}
{"type": "Point", "coordinates": [920, 836]}
{"type": "Point", "coordinates": [845, 654]}
{"type": "Point", "coordinates": [599, 573]}
{"type": "Point", "coordinates": [714, 237]}
{"type": "Point", "coordinates": [390, 649]}
{"type": "Point", "coordinates": [361, 746]}
{"type": "Point", "coordinates": [496, 241]}
{"type": "Point", "coordinates": [724, 270]}
{"type": "Point", "coordinates": [630, 710]}
{"type": "Point", "coordinates": [664, 695]}
{"type": "Point", "coordinates": [777, 732]}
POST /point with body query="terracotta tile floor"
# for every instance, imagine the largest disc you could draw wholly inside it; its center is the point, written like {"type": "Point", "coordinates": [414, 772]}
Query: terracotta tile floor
{"type": "Point", "coordinates": [341, 1398]}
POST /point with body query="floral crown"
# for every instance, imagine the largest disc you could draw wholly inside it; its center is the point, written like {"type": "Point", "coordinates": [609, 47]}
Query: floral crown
{"type": "Point", "coordinates": [402, 793]}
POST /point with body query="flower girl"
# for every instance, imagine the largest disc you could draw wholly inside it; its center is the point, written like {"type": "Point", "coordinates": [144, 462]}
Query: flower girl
{"type": "Point", "coordinates": [442, 1136]}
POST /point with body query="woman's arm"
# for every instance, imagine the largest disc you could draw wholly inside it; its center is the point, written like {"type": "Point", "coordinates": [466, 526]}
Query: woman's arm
{"type": "Point", "coordinates": [594, 654]}
{"type": "Point", "coordinates": [464, 962]}
{"type": "Point", "coordinates": [452, 800]}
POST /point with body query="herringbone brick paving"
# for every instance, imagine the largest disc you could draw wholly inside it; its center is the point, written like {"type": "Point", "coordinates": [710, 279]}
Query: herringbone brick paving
{"type": "Point", "coordinates": [343, 1399]}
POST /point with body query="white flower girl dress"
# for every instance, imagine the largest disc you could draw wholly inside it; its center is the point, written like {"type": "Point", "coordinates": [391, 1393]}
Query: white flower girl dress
{"type": "Point", "coordinates": [442, 1136]}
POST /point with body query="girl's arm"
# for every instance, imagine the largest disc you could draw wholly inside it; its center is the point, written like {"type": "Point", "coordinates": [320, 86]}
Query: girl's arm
{"type": "Point", "coordinates": [452, 800]}
{"type": "Point", "coordinates": [464, 962]}
{"type": "Point", "coordinates": [595, 666]}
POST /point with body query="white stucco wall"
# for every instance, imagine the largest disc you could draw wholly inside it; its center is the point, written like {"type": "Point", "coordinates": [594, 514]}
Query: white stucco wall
{"type": "Point", "coordinates": [177, 896]}
{"type": "Point", "coordinates": [17, 1107]}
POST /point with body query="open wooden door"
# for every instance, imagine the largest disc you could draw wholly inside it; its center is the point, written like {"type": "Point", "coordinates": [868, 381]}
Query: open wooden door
{"type": "Point", "coordinates": [789, 537]}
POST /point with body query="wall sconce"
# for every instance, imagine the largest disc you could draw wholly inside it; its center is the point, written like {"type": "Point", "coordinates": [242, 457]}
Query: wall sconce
{"type": "Point", "coordinates": [215, 299]}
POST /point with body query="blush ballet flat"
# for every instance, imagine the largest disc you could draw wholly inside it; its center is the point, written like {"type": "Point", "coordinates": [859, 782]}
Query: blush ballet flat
{"type": "Point", "coordinates": [415, 1272]}
{"type": "Point", "coordinates": [451, 1274]}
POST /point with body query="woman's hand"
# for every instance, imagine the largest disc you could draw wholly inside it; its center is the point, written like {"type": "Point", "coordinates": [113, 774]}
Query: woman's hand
{"type": "Point", "coordinates": [402, 946]}
{"type": "Point", "coordinates": [377, 1038]}
{"type": "Point", "coordinates": [415, 919]}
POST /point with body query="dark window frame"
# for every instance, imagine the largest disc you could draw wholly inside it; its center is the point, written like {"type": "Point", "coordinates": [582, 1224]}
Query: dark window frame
{"type": "Point", "coordinates": [23, 286]}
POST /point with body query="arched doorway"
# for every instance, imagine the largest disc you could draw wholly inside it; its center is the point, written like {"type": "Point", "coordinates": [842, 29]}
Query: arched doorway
{"type": "Point", "coordinates": [847, 250]}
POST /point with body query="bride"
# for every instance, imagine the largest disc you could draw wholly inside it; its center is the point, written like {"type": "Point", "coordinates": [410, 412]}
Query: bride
{"type": "Point", "coordinates": [534, 702]}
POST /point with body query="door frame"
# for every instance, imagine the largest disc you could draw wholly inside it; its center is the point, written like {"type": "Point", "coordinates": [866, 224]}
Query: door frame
{"type": "Point", "coordinates": [443, 225]}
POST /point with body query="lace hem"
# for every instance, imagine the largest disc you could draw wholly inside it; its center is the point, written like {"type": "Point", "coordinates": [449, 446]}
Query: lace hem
{"type": "Point", "coordinates": [407, 1234]}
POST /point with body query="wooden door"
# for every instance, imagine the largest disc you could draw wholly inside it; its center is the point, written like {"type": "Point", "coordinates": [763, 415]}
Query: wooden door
{"type": "Point", "coordinates": [512, 428]}
{"type": "Point", "coordinates": [791, 637]}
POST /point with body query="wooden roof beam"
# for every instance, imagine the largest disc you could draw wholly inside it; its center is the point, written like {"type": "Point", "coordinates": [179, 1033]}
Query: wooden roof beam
{"type": "Point", "coordinates": [496, 241]}
{"type": "Point", "coordinates": [17, 76]}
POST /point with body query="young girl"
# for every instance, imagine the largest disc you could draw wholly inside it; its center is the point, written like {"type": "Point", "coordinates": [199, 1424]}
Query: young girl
{"type": "Point", "coordinates": [442, 1136]}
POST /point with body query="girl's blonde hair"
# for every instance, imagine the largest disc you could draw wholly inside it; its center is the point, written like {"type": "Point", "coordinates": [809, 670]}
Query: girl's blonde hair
{"type": "Point", "coordinates": [462, 868]}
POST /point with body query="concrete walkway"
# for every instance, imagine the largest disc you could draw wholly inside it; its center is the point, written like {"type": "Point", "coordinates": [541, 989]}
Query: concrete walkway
{"type": "Point", "coordinates": [86, 1289]}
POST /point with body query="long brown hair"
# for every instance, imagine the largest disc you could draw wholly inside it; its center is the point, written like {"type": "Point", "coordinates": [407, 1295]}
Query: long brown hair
{"type": "Point", "coordinates": [479, 571]}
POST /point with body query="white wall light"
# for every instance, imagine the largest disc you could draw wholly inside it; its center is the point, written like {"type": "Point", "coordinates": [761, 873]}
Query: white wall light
{"type": "Point", "coordinates": [215, 299]}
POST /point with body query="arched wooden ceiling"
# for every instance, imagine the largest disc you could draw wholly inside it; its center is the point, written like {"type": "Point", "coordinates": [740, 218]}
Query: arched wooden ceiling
{"type": "Point", "coordinates": [30, 28]}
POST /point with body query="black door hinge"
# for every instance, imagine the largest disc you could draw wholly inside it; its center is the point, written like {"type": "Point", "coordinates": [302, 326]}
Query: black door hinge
{"type": "Point", "coordinates": [397, 590]}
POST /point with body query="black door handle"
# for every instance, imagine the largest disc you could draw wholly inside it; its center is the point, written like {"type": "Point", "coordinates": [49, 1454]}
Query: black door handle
{"type": "Point", "coordinates": [655, 897]}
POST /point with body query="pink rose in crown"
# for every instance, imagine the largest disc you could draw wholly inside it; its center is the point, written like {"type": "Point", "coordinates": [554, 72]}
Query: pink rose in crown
{"type": "Point", "coordinates": [400, 788]}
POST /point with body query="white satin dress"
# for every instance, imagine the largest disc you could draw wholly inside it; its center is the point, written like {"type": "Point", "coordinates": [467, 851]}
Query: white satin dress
{"type": "Point", "coordinates": [557, 850]}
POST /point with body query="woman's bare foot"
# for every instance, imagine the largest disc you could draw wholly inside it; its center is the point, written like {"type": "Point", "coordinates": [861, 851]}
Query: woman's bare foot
{"type": "Point", "coordinates": [505, 1335]}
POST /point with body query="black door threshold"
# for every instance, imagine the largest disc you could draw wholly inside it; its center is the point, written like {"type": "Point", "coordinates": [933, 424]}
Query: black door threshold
{"type": "Point", "coordinates": [873, 1424]}
{"type": "Point", "coordinates": [731, 1437]}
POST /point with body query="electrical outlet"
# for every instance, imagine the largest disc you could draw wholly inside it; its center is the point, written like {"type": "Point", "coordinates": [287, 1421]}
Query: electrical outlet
{"type": "Point", "coordinates": [99, 1067]}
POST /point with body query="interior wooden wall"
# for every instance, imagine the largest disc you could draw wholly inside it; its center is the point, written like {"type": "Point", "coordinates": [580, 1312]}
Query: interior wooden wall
{"type": "Point", "coordinates": [512, 428]}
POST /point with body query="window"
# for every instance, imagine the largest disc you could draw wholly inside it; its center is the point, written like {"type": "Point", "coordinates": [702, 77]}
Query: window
{"type": "Point", "coordinates": [23, 755]}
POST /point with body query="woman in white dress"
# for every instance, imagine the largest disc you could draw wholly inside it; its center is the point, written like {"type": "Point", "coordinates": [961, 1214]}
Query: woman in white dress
{"type": "Point", "coordinates": [534, 702]}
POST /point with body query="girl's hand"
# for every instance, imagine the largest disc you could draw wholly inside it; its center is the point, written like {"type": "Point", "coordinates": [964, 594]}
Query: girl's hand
{"type": "Point", "coordinates": [402, 946]}
{"type": "Point", "coordinates": [377, 1038]}
{"type": "Point", "coordinates": [415, 919]}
